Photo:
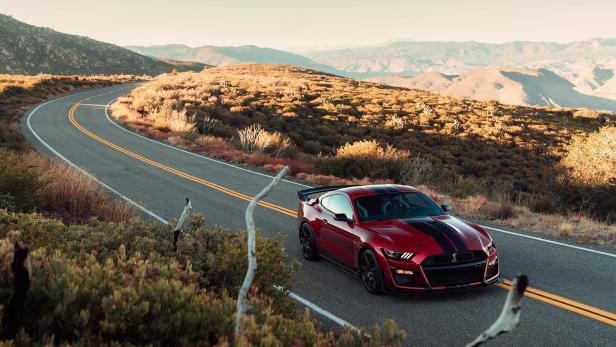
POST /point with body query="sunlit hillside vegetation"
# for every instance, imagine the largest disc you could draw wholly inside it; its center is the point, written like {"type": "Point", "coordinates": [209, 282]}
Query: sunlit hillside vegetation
{"type": "Point", "coordinates": [314, 121]}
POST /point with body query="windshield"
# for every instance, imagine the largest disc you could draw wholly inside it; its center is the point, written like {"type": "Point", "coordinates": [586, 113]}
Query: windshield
{"type": "Point", "coordinates": [395, 206]}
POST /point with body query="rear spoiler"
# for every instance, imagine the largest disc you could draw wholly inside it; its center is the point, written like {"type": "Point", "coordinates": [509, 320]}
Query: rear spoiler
{"type": "Point", "coordinates": [303, 194]}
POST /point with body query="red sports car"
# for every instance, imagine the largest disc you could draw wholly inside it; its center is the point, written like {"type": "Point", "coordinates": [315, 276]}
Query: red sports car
{"type": "Point", "coordinates": [395, 238]}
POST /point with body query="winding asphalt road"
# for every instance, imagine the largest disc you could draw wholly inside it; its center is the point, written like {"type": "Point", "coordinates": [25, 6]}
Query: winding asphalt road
{"type": "Point", "coordinates": [572, 302]}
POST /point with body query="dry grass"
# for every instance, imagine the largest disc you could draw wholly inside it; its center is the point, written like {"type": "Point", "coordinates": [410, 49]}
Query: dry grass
{"type": "Point", "coordinates": [72, 195]}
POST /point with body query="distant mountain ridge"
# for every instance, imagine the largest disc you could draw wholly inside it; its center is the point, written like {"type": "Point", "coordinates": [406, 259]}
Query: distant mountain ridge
{"type": "Point", "coordinates": [519, 86]}
{"type": "Point", "coordinates": [229, 55]}
{"type": "Point", "coordinates": [27, 49]}
{"type": "Point", "coordinates": [413, 57]}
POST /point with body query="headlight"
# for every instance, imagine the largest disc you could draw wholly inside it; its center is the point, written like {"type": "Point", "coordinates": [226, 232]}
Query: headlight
{"type": "Point", "coordinates": [397, 254]}
{"type": "Point", "coordinates": [489, 248]}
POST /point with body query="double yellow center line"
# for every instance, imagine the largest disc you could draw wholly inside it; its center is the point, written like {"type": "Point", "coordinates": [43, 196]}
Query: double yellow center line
{"type": "Point", "coordinates": [555, 300]}
{"type": "Point", "coordinates": [71, 117]}
{"type": "Point", "coordinates": [570, 305]}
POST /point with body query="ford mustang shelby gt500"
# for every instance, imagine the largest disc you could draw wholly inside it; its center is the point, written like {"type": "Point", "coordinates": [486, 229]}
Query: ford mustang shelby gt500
{"type": "Point", "coordinates": [395, 238]}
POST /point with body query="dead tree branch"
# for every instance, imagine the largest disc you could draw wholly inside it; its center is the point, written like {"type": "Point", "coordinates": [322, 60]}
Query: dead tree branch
{"type": "Point", "coordinates": [178, 227]}
{"type": "Point", "coordinates": [252, 256]}
{"type": "Point", "coordinates": [510, 316]}
{"type": "Point", "coordinates": [22, 270]}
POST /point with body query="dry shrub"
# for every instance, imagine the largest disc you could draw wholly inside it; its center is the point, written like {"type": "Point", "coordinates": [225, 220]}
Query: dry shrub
{"type": "Point", "coordinates": [166, 117]}
{"type": "Point", "coordinates": [253, 138]}
{"type": "Point", "coordinates": [418, 170]}
{"type": "Point", "coordinates": [591, 160]}
{"type": "Point", "coordinates": [474, 205]}
{"type": "Point", "coordinates": [370, 148]}
{"type": "Point", "coordinates": [589, 178]}
{"type": "Point", "coordinates": [256, 139]}
{"type": "Point", "coordinates": [500, 211]}
{"type": "Point", "coordinates": [564, 229]}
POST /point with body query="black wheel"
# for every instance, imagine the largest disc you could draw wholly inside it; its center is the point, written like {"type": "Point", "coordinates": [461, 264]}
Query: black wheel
{"type": "Point", "coordinates": [371, 272]}
{"type": "Point", "coordinates": [307, 242]}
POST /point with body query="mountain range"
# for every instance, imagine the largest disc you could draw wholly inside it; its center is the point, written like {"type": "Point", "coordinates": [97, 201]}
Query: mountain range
{"type": "Point", "coordinates": [249, 54]}
{"type": "Point", "coordinates": [413, 57]}
{"type": "Point", "coordinates": [27, 49]}
{"type": "Point", "coordinates": [519, 86]}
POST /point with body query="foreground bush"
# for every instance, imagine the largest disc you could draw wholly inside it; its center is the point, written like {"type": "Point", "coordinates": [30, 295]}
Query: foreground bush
{"type": "Point", "coordinates": [106, 283]}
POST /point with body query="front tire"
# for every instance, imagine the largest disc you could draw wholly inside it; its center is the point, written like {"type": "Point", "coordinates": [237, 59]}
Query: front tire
{"type": "Point", "coordinates": [307, 243]}
{"type": "Point", "coordinates": [371, 273]}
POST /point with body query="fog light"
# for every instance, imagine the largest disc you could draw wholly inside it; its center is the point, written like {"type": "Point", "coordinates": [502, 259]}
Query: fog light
{"type": "Point", "coordinates": [404, 272]}
{"type": "Point", "coordinates": [493, 261]}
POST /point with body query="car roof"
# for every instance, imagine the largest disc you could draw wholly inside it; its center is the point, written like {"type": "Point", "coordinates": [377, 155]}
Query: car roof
{"type": "Point", "coordinates": [375, 189]}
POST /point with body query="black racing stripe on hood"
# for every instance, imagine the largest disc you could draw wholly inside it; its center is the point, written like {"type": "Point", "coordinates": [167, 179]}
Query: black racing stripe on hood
{"type": "Point", "coordinates": [451, 233]}
{"type": "Point", "coordinates": [436, 234]}
{"type": "Point", "coordinates": [384, 189]}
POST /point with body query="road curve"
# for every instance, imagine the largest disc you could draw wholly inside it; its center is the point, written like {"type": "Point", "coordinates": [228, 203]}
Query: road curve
{"type": "Point", "coordinates": [574, 291]}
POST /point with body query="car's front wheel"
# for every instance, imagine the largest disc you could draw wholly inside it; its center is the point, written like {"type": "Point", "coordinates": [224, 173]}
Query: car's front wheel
{"type": "Point", "coordinates": [307, 242]}
{"type": "Point", "coordinates": [371, 273]}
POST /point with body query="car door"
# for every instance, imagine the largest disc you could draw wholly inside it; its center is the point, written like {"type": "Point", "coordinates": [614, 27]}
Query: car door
{"type": "Point", "coordinates": [339, 236]}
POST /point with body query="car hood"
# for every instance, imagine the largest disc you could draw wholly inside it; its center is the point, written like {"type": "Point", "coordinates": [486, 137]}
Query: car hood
{"type": "Point", "coordinates": [431, 235]}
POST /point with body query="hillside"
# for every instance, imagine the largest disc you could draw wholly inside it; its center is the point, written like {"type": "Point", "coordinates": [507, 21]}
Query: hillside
{"type": "Point", "coordinates": [214, 55]}
{"type": "Point", "coordinates": [474, 146]}
{"type": "Point", "coordinates": [29, 50]}
{"type": "Point", "coordinates": [514, 86]}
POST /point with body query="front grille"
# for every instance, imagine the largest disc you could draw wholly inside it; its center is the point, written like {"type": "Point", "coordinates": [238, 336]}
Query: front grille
{"type": "Point", "coordinates": [460, 258]}
{"type": "Point", "coordinates": [451, 275]}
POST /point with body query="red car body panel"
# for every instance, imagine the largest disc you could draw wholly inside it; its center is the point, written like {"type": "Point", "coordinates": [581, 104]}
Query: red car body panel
{"type": "Point", "coordinates": [449, 253]}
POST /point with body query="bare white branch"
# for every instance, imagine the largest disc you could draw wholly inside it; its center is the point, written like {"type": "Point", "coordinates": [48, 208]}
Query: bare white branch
{"type": "Point", "coordinates": [252, 255]}
{"type": "Point", "coordinates": [178, 227]}
{"type": "Point", "coordinates": [510, 316]}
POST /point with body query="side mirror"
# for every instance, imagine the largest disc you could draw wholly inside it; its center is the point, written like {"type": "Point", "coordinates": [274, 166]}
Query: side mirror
{"type": "Point", "coordinates": [446, 207]}
{"type": "Point", "coordinates": [341, 217]}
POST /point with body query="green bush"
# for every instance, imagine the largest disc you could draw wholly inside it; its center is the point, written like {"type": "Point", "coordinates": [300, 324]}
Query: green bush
{"type": "Point", "coordinates": [19, 183]}
{"type": "Point", "coordinates": [463, 186]}
{"type": "Point", "coordinates": [108, 283]}
{"type": "Point", "coordinates": [217, 253]}
{"type": "Point", "coordinates": [360, 167]}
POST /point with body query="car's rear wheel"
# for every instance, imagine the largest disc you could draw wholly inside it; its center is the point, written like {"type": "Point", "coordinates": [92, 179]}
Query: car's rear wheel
{"type": "Point", "coordinates": [307, 242]}
{"type": "Point", "coordinates": [371, 273]}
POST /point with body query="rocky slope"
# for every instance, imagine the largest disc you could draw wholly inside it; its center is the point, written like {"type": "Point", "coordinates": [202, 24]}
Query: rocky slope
{"type": "Point", "coordinates": [27, 49]}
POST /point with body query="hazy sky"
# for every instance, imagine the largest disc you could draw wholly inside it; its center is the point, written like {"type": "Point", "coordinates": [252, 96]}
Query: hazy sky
{"type": "Point", "coordinates": [305, 24]}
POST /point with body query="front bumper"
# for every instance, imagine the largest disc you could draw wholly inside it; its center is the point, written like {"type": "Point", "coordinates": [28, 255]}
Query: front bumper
{"type": "Point", "coordinates": [442, 278]}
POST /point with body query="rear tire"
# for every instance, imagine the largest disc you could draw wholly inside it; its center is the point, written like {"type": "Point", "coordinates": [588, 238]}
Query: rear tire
{"type": "Point", "coordinates": [371, 273]}
{"type": "Point", "coordinates": [307, 243]}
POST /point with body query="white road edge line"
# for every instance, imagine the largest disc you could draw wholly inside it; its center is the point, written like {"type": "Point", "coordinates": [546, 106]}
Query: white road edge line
{"type": "Point", "coordinates": [292, 295]}
{"type": "Point", "coordinates": [550, 241]}
{"type": "Point", "coordinates": [307, 186]}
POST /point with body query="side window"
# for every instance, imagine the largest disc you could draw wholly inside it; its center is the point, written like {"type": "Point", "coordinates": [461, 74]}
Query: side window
{"type": "Point", "coordinates": [326, 201]}
{"type": "Point", "coordinates": [340, 204]}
